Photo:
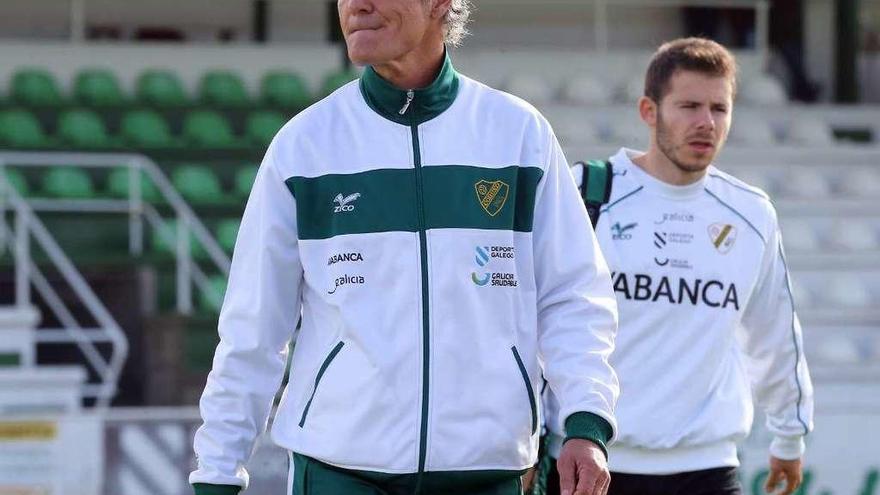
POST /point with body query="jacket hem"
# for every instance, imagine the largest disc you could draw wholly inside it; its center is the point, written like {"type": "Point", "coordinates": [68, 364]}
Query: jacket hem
{"type": "Point", "coordinates": [636, 460]}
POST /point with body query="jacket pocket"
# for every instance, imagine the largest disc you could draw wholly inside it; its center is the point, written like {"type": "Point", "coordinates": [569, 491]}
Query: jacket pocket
{"type": "Point", "coordinates": [529, 389]}
{"type": "Point", "coordinates": [324, 366]}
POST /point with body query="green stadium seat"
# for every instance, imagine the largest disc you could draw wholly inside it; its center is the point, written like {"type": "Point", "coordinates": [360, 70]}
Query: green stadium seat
{"type": "Point", "coordinates": [336, 80]}
{"type": "Point", "coordinates": [20, 129]}
{"type": "Point", "coordinates": [164, 240]}
{"type": "Point", "coordinates": [244, 181]}
{"type": "Point", "coordinates": [227, 231]}
{"type": "Point", "coordinates": [146, 129]}
{"type": "Point", "coordinates": [260, 127]}
{"type": "Point", "coordinates": [98, 88]}
{"type": "Point", "coordinates": [211, 299]}
{"type": "Point", "coordinates": [160, 88]}
{"type": "Point", "coordinates": [117, 186]}
{"type": "Point", "coordinates": [285, 90]}
{"type": "Point", "coordinates": [197, 184]}
{"type": "Point", "coordinates": [18, 182]}
{"type": "Point", "coordinates": [83, 129]}
{"type": "Point", "coordinates": [223, 89]}
{"type": "Point", "coordinates": [35, 87]}
{"type": "Point", "coordinates": [208, 129]}
{"type": "Point", "coordinates": [67, 183]}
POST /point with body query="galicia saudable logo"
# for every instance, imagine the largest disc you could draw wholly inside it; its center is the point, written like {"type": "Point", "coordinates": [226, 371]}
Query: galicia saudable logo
{"type": "Point", "coordinates": [619, 232]}
{"type": "Point", "coordinates": [483, 256]}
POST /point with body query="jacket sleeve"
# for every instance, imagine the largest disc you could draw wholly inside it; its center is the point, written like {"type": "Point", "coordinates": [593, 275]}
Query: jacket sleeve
{"type": "Point", "coordinates": [258, 318]}
{"type": "Point", "coordinates": [577, 310]}
{"type": "Point", "coordinates": [771, 339]}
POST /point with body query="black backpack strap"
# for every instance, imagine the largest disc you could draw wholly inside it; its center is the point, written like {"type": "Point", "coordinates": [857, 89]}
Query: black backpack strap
{"type": "Point", "coordinates": [596, 186]}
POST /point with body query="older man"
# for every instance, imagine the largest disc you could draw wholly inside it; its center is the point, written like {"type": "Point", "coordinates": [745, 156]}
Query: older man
{"type": "Point", "coordinates": [429, 232]}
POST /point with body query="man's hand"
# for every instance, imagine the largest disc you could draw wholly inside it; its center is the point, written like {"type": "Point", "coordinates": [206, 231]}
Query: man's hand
{"type": "Point", "coordinates": [583, 469]}
{"type": "Point", "coordinates": [528, 479]}
{"type": "Point", "coordinates": [790, 471]}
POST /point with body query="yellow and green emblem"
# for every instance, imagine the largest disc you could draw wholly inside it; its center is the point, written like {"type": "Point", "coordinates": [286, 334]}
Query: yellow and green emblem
{"type": "Point", "coordinates": [492, 195]}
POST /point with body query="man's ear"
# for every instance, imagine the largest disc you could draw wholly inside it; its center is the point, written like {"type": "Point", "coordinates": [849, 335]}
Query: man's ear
{"type": "Point", "coordinates": [439, 8]}
{"type": "Point", "coordinates": [648, 111]}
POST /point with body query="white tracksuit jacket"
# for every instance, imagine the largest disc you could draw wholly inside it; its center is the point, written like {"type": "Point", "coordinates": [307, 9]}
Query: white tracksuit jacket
{"type": "Point", "coordinates": [706, 320]}
{"type": "Point", "coordinates": [437, 248]}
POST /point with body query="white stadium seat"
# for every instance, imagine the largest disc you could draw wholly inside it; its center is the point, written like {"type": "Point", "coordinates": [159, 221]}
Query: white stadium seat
{"type": "Point", "coordinates": [531, 88]}
{"type": "Point", "coordinates": [799, 236]}
{"type": "Point", "coordinates": [847, 291]}
{"type": "Point", "coordinates": [837, 349]}
{"type": "Point", "coordinates": [576, 130]}
{"type": "Point", "coordinates": [751, 130]}
{"type": "Point", "coordinates": [860, 183]}
{"type": "Point", "coordinates": [585, 89]}
{"type": "Point", "coordinates": [810, 132]}
{"type": "Point", "coordinates": [632, 89]}
{"type": "Point", "coordinates": [763, 90]}
{"type": "Point", "coordinates": [803, 298]}
{"type": "Point", "coordinates": [853, 235]}
{"type": "Point", "coordinates": [805, 183]}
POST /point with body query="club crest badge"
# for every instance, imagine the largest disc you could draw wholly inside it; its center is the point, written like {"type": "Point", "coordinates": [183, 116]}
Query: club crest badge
{"type": "Point", "coordinates": [492, 195]}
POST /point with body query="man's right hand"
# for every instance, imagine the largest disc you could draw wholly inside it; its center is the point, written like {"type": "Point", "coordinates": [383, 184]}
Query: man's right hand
{"type": "Point", "coordinates": [583, 469]}
{"type": "Point", "coordinates": [790, 471]}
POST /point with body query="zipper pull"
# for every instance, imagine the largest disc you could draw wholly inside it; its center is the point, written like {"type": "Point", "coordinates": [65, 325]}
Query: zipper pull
{"type": "Point", "coordinates": [409, 98]}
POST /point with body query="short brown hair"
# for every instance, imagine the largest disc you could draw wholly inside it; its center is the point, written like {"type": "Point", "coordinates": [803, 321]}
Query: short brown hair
{"type": "Point", "coordinates": [689, 54]}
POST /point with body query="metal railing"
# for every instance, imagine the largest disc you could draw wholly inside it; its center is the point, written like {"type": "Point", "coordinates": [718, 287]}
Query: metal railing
{"type": "Point", "coordinates": [188, 273]}
{"type": "Point", "coordinates": [27, 225]}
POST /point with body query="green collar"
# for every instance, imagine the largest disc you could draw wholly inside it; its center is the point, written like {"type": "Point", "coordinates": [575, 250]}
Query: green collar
{"type": "Point", "coordinates": [425, 103]}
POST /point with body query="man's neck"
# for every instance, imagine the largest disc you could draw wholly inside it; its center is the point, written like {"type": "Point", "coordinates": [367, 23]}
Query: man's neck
{"type": "Point", "coordinates": [659, 166]}
{"type": "Point", "coordinates": [417, 69]}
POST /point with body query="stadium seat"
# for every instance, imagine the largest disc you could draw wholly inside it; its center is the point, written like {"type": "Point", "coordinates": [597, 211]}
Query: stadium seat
{"type": "Point", "coordinates": [83, 129]}
{"type": "Point", "coordinates": [98, 88]}
{"type": "Point", "coordinates": [860, 183]}
{"type": "Point", "coordinates": [118, 187]}
{"type": "Point", "coordinates": [208, 129]}
{"type": "Point", "coordinates": [532, 88]}
{"type": "Point", "coordinates": [211, 298]}
{"type": "Point", "coordinates": [847, 291]}
{"type": "Point", "coordinates": [160, 88]}
{"type": "Point", "coordinates": [146, 129]}
{"type": "Point", "coordinates": [805, 183]}
{"type": "Point", "coordinates": [227, 231]}
{"type": "Point", "coordinates": [197, 184]}
{"type": "Point", "coordinates": [244, 181]}
{"type": "Point", "coordinates": [18, 182]}
{"type": "Point", "coordinates": [285, 90]}
{"type": "Point", "coordinates": [752, 130]}
{"type": "Point", "coordinates": [224, 89]}
{"type": "Point", "coordinates": [762, 91]}
{"type": "Point", "coordinates": [810, 132]}
{"type": "Point", "coordinates": [837, 350]}
{"type": "Point", "coordinates": [261, 127]}
{"type": "Point", "coordinates": [67, 183]}
{"type": "Point", "coordinates": [803, 298]}
{"type": "Point", "coordinates": [800, 236]}
{"type": "Point", "coordinates": [853, 235]}
{"type": "Point", "coordinates": [164, 240]}
{"type": "Point", "coordinates": [576, 130]}
{"type": "Point", "coordinates": [35, 87]}
{"type": "Point", "coordinates": [632, 89]}
{"type": "Point", "coordinates": [20, 129]}
{"type": "Point", "coordinates": [585, 89]}
{"type": "Point", "coordinates": [628, 132]}
{"type": "Point", "coordinates": [336, 80]}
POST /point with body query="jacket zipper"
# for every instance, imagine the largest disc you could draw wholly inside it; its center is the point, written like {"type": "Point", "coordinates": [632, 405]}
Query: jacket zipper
{"type": "Point", "coordinates": [529, 389]}
{"type": "Point", "coordinates": [423, 249]}
{"type": "Point", "coordinates": [324, 366]}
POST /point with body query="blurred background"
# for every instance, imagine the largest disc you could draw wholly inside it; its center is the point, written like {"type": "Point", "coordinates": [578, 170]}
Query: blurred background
{"type": "Point", "coordinates": [131, 132]}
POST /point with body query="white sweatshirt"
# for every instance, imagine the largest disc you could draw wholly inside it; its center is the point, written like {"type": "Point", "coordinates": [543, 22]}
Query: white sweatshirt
{"type": "Point", "coordinates": [438, 249]}
{"type": "Point", "coordinates": [706, 320]}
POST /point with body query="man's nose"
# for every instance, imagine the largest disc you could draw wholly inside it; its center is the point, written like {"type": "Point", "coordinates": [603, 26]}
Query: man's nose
{"type": "Point", "coordinates": [357, 6]}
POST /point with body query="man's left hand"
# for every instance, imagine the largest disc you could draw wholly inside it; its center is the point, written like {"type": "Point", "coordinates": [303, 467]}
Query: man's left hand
{"type": "Point", "coordinates": [583, 469]}
{"type": "Point", "coordinates": [790, 471]}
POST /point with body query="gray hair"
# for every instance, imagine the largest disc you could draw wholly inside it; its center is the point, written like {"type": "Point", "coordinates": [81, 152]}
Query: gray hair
{"type": "Point", "coordinates": [455, 22]}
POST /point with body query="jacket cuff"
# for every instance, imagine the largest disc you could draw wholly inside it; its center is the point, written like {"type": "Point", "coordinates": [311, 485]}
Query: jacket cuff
{"type": "Point", "coordinates": [206, 489]}
{"type": "Point", "coordinates": [588, 426]}
{"type": "Point", "coordinates": [787, 448]}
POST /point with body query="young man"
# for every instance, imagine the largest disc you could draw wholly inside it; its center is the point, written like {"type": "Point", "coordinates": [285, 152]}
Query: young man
{"type": "Point", "coordinates": [428, 230]}
{"type": "Point", "coordinates": [706, 313]}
